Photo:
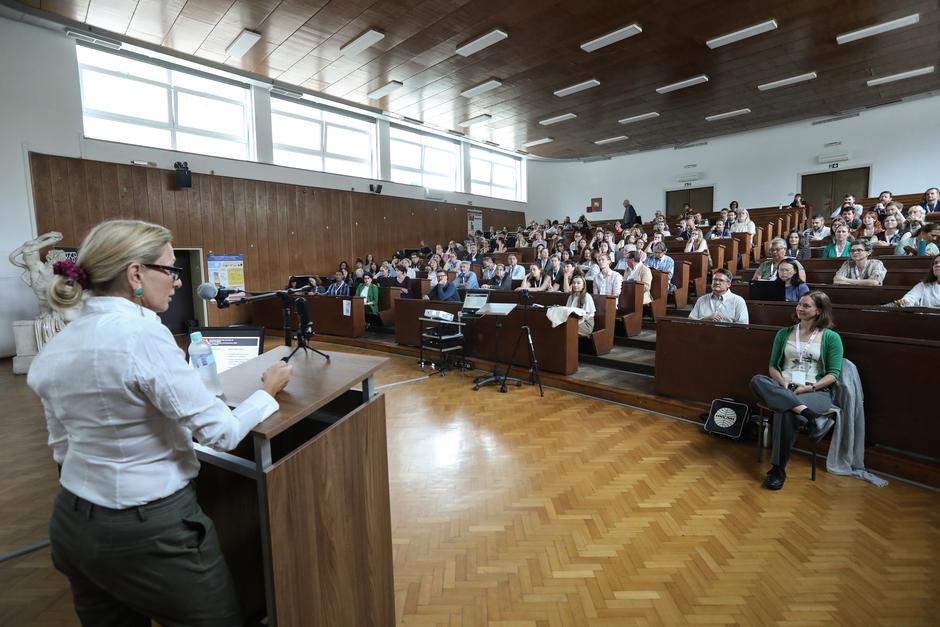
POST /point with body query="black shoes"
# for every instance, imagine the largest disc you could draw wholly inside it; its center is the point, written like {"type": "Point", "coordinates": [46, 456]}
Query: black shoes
{"type": "Point", "coordinates": [775, 478]}
{"type": "Point", "coordinates": [820, 427]}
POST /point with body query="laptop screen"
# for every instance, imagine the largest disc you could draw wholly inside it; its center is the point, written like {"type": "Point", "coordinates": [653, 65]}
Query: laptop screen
{"type": "Point", "coordinates": [232, 346]}
{"type": "Point", "coordinates": [474, 300]}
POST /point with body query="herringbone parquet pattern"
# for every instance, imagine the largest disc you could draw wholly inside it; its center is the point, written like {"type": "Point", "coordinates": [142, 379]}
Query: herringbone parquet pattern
{"type": "Point", "coordinates": [510, 510]}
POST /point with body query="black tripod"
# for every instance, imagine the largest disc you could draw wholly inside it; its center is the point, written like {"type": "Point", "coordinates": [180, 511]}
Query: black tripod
{"type": "Point", "coordinates": [304, 327]}
{"type": "Point", "coordinates": [525, 332]}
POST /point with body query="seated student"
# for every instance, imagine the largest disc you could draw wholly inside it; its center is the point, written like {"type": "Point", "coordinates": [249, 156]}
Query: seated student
{"type": "Point", "coordinates": [893, 232]}
{"type": "Point", "coordinates": [931, 200]}
{"type": "Point", "coordinates": [575, 242]}
{"type": "Point", "coordinates": [581, 299]}
{"type": "Point", "coordinates": [870, 227]}
{"type": "Point", "coordinates": [927, 292]}
{"type": "Point", "coordinates": [657, 238]}
{"type": "Point", "coordinates": [556, 273]}
{"type": "Point", "coordinates": [767, 270]}
{"type": "Point", "coordinates": [915, 219]}
{"type": "Point", "coordinates": [536, 280]}
{"type": "Point", "coordinates": [850, 217]}
{"type": "Point", "coordinates": [788, 274]}
{"type": "Point", "coordinates": [315, 286]}
{"type": "Point", "coordinates": [806, 361]}
{"type": "Point", "coordinates": [880, 207]}
{"type": "Point", "coordinates": [720, 230]}
{"type": "Point", "coordinates": [568, 272]}
{"type": "Point", "coordinates": [368, 290]}
{"type": "Point", "coordinates": [818, 231]}
{"type": "Point", "coordinates": [861, 269]}
{"type": "Point", "coordinates": [465, 278]}
{"type": "Point", "coordinates": [513, 269]}
{"type": "Point", "coordinates": [452, 262]}
{"type": "Point", "coordinates": [662, 262]}
{"type": "Point", "coordinates": [840, 242]}
{"type": "Point", "coordinates": [743, 223]}
{"type": "Point", "coordinates": [696, 243]}
{"type": "Point", "coordinates": [797, 201]}
{"type": "Point", "coordinates": [721, 304]}
{"type": "Point", "coordinates": [500, 281]}
{"type": "Point", "coordinates": [443, 289]}
{"type": "Point", "coordinates": [339, 286]}
{"type": "Point", "coordinates": [639, 273]}
{"type": "Point", "coordinates": [921, 245]}
{"type": "Point", "coordinates": [433, 266]}
{"type": "Point", "coordinates": [607, 281]}
{"type": "Point", "coordinates": [795, 248]}
{"type": "Point", "coordinates": [402, 283]}
{"type": "Point", "coordinates": [587, 266]}
{"type": "Point", "coordinates": [489, 269]}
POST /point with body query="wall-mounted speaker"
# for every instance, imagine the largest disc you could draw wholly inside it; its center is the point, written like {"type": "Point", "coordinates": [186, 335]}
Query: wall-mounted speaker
{"type": "Point", "coordinates": [184, 178]}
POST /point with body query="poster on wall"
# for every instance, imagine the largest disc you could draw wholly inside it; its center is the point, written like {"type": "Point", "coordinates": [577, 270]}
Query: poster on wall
{"type": "Point", "coordinates": [597, 204]}
{"type": "Point", "coordinates": [474, 221]}
{"type": "Point", "coordinates": [227, 271]}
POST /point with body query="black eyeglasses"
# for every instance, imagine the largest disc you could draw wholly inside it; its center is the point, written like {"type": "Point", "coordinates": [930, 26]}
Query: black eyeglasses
{"type": "Point", "coordinates": [171, 271]}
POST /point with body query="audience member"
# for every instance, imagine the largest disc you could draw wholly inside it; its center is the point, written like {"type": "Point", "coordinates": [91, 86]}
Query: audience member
{"type": "Point", "coordinates": [840, 242]}
{"type": "Point", "coordinates": [797, 201]}
{"type": "Point", "coordinates": [339, 286]}
{"type": "Point", "coordinates": [861, 269]}
{"type": "Point", "coordinates": [818, 231]}
{"type": "Point", "coordinates": [892, 233]}
{"type": "Point", "coordinates": [931, 200]}
{"type": "Point", "coordinates": [767, 271]}
{"type": "Point", "coordinates": [536, 280]}
{"type": "Point", "coordinates": [923, 244]}
{"type": "Point", "coordinates": [433, 266]}
{"type": "Point", "coordinates": [607, 282]}
{"type": "Point", "coordinates": [795, 248]}
{"type": "Point", "coordinates": [915, 219]}
{"type": "Point", "coordinates": [881, 207]}
{"type": "Point", "coordinates": [513, 269]}
{"type": "Point", "coordinates": [501, 280]}
{"type": "Point", "coordinates": [405, 266]}
{"type": "Point", "coordinates": [743, 223]}
{"type": "Point", "coordinates": [402, 282]}
{"type": "Point", "coordinates": [639, 273]}
{"type": "Point", "coordinates": [794, 287]}
{"type": "Point", "coordinates": [443, 289]}
{"type": "Point", "coordinates": [587, 266]}
{"type": "Point", "coordinates": [662, 262]}
{"type": "Point", "coordinates": [806, 361]}
{"type": "Point", "coordinates": [466, 279]}
{"type": "Point", "coordinates": [847, 201]}
{"type": "Point", "coordinates": [927, 292]}
{"type": "Point", "coordinates": [720, 230]}
{"type": "Point", "coordinates": [630, 216]}
{"type": "Point", "coordinates": [575, 242]}
{"type": "Point", "coordinates": [581, 299]}
{"type": "Point", "coordinates": [556, 272]}
{"type": "Point", "coordinates": [568, 271]}
{"type": "Point", "coordinates": [870, 227]}
{"type": "Point", "coordinates": [850, 217]}
{"type": "Point", "coordinates": [696, 243]}
{"type": "Point", "coordinates": [657, 238]}
{"type": "Point", "coordinates": [721, 304]}
{"type": "Point", "coordinates": [368, 290]}
{"type": "Point", "coordinates": [489, 269]}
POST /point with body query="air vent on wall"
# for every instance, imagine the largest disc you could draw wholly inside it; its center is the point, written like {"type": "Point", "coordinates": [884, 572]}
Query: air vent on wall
{"type": "Point", "coordinates": [833, 157]}
{"type": "Point", "coordinates": [836, 118]}
{"type": "Point", "coordinates": [433, 194]}
{"type": "Point", "coordinates": [687, 177]}
{"type": "Point", "coordinates": [94, 40]}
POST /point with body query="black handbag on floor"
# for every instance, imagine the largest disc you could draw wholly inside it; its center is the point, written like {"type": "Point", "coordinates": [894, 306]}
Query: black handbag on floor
{"type": "Point", "coordinates": [727, 417]}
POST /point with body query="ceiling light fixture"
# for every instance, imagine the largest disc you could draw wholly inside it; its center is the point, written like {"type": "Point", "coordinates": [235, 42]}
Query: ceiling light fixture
{"type": "Point", "coordinates": [557, 119]}
{"type": "Point", "coordinates": [793, 80]}
{"type": "Point", "coordinates": [484, 41]}
{"type": "Point", "coordinates": [611, 140]}
{"type": "Point", "coordinates": [725, 116]}
{"type": "Point", "coordinates": [538, 142]}
{"type": "Point", "coordinates": [95, 40]}
{"type": "Point", "coordinates": [360, 43]}
{"type": "Point", "coordinates": [744, 33]}
{"type": "Point", "coordinates": [245, 40]}
{"type": "Point", "coordinates": [900, 77]}
{"type": "Point", "coordinates": [482, 88]}
{"type": "Point", "coordinates": [877, 29]}
{"type": "Point", "coordinates": [290, 93]}
{"type": "Point", "coordinates": [665, 89]}
{"type": "Point", "coordinates": [611, 38]}
{"type": "Point", "coordinates": [477, 119]}
{"type": "Point", "coordinates": [639, 118]}
{"type": "Point", "coordinates": [573, 89]}
{"type": "Point", "coordinates": [385, 90]}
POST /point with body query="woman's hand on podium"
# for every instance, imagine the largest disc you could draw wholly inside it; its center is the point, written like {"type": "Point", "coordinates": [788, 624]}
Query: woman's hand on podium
{"type": "Point", "coordinates": [276, 377]}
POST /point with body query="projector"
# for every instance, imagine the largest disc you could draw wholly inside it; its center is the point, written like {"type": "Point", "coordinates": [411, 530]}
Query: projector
{"type": "Point", "coordinates": [435, 314]}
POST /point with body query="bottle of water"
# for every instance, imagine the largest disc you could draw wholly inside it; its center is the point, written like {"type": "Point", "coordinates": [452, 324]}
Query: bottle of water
{"type": "Point", "coordinates": [202, 359]}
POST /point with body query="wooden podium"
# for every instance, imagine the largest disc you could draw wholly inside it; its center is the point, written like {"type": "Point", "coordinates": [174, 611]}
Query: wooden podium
{"type": "Point", "coordinates": [301, 506]}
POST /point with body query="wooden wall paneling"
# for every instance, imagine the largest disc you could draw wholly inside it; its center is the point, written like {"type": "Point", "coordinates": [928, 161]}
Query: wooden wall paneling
{"type": "Point", "coordinates": [282, 262]}
{"type": "Point", "coordinates": [226, 200]}
{"type": "Point", "coordinates": [77, 198]}
{"type": "Point", "coordinates": [193, 207]}
{"type": "Point", "coordinates": [61, 203]}
{"type": "Point", "coordinates": [154, 200]}
{"type": "Point", "coordinates": [167, 201]}
{"type": "Point", "coordinates": [108, 198]}
{"type": "Point", "coordinates": [269, 235]}
{"type": "Point", "coordinates": [139, 202]}
{"type": "Point", "coordinates": [298, 232]}
{"type": "Point", "coordinates": [125, 197]}
{"type": "Point", "coordinates": [239, 226]}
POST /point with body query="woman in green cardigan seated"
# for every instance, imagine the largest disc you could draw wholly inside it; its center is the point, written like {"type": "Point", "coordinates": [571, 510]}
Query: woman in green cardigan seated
{"type": "Point", "coordinates": [840, 245]}
{"type": "Point", "coordinates": [805, 363]}
{"type": "Point", "coordinates": [368, 290]}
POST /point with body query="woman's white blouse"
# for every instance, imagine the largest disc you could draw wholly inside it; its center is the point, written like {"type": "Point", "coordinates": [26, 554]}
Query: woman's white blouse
{"type": "Point", "coordinates": [123, 406]}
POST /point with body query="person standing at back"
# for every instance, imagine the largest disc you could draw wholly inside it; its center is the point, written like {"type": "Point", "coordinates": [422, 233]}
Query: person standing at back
{"type": "Point", "coordinates": [122, 408]}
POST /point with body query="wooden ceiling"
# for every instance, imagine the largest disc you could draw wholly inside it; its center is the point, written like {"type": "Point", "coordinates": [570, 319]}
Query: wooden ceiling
{"type": "Point", "coordinates": [301, 42]}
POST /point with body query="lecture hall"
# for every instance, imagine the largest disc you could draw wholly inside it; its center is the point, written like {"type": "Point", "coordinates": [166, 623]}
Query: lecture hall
{"type": "Point", "coordinates": [363, 313]}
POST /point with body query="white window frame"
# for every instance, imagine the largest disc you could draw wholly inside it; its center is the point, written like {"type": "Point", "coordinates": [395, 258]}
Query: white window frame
{"type": "Point", "coordinates": [514, 192]}
{"type": "Point", "coordinates": [422, 171]}
{"type": "Point", "coordinates": [325, 125]}
{"type": "Point", "coordinates": [172, 93]}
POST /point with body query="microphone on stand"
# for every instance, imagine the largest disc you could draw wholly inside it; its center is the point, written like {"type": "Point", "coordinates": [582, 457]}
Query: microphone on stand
{"type": "Point", "coordinates": [208, 291]}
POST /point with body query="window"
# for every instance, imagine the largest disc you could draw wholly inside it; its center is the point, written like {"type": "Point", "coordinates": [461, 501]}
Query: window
{"type": "Point", "coordinates": [312, 138]}
{"type": "Point", "coordinates": [134, 102]}
{"type": "Point", "coordinates": [494, 174]}
{"type": "Point", "coordinates": [425, 160]}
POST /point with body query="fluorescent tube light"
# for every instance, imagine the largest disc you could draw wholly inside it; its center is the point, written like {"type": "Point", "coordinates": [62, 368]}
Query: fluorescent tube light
{"type": "Point", "coordinates": [611, 38]}
{"type": "Point", "coordinates": [477, 119]}
{"type": "Point", "coordinates": [484, 41]}
{"type": "Point", "coordinates": [280, 91]}
{"type": "Point", "coordinates": [95, 40]}
{"type": "Point", "coordinates": [573, 89]}
{"type": "Point", "coordinates": [793, 80]}
{"type": "Point", "coordinates": [482, 88]}
{"type": "Point", "coordinates": [900, 77]}
{"type": "Point", "coordinates": [243, 43]}
{"type": "Point", "coordinates": [878, 29]}
{"type": "Point", "coordinates": [610, 140]}
{"type": "Point", "coordinates": [725, 116]}
{"type": "Point", "coordinates": [385, 90]}
{"type": "Point", "coordinates": [538, 142]}
{"type": "Point", "coordinates": [639, 118]}
{"type": "Point", "coordinates": [665, 89]}
{"type": "Point", "coordinates": [360, 43]}
{"type": "Point", "coordinates": [557, 119]}
{"type": "Point", "coordinates": [744, 33]}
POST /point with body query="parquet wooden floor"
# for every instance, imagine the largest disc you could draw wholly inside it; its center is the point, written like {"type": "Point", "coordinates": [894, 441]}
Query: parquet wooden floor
{"type": "Point", "coordinates": [509, 510]}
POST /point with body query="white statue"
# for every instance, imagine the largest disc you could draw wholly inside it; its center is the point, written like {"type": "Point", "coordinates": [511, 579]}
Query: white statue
{"type": "Point", "coordinates": [38, 275]}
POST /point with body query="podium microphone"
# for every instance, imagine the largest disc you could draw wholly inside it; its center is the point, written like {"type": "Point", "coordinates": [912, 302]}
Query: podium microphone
{"type": "Point", "coordinates": [208, 291]}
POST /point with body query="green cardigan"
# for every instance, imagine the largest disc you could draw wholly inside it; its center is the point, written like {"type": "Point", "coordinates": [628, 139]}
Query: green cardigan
{"type": "Point", "coordinates": [830, 352]}
{"type": "Point", "coordinates": [830, 251]}
{"type": "Point", "coordinates": [373, 295]}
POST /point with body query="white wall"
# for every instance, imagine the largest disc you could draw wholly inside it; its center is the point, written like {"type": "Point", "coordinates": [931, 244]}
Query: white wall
{"type": "Point", "coordinates": [758, 169]}
{"type": "Point", "coordinates": [40, 111]}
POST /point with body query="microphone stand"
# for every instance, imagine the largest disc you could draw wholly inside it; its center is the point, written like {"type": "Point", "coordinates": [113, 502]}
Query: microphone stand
{"type": "Point", "coordinates": [293, 298]}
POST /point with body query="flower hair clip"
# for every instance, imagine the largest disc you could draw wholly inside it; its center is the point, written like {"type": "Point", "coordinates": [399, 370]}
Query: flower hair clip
{"type": "Point", "coordinates": [73, 271]}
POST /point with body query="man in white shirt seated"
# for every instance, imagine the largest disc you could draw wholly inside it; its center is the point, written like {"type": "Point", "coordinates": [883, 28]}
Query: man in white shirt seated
{"type": "Point", "coordinates": [607, 282]}
{"type": "Point", "coordinates": [489, 269]}
{"type": "Point", "coordinates": [466, 279]}
{"type": "Point", "coordinates": [639, 273]}
{"type": "Point", "coordinates": [819, 231]}
{"type": "Point", "coordinates": [847, 200]}
{"type": "Point", "coordinates": [513, 269]}
{"type": "Point", "coordinates": [720, 305]}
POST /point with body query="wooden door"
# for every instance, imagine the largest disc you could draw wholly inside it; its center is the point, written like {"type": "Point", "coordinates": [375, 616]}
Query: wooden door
{"type": "Point", "coordinates": [701, 199]}
{"type": "Point", "coordinates": [824, 191]}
